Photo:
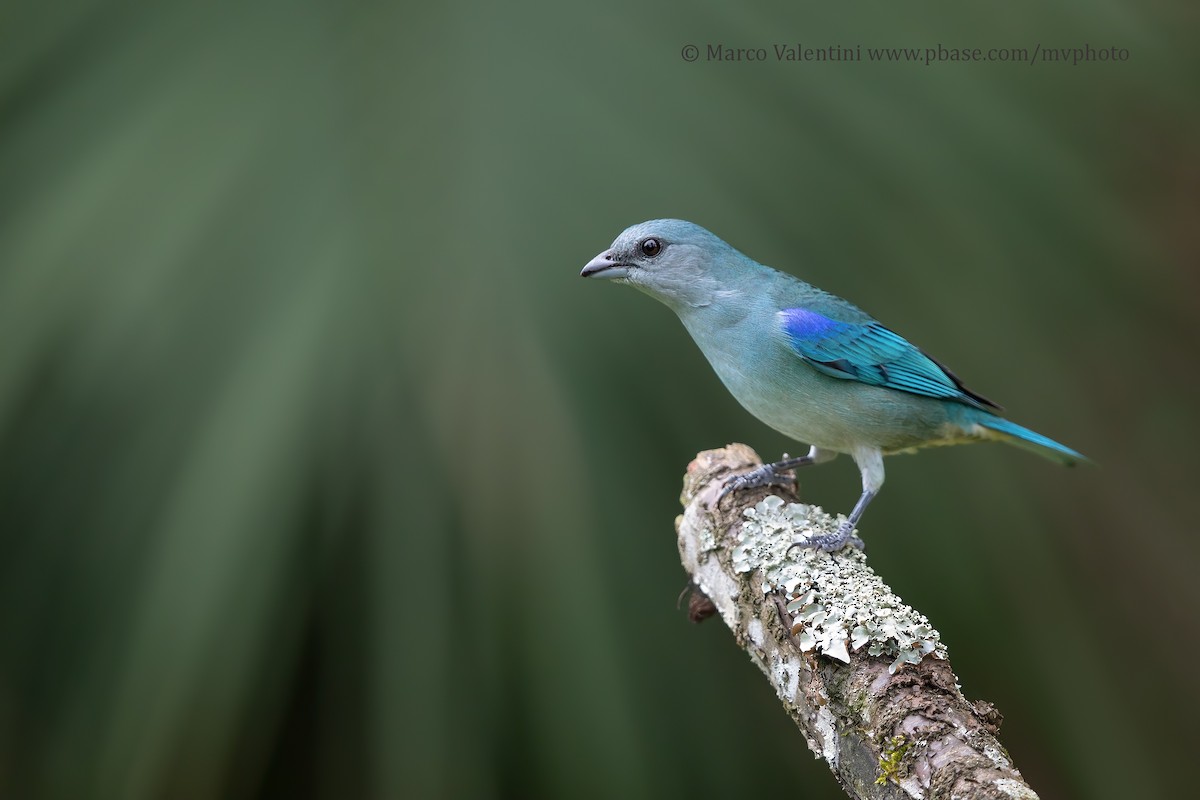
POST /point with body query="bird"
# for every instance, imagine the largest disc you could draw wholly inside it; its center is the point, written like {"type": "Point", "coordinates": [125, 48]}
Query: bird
{"type": "Point", "coordinates": [807, 363]}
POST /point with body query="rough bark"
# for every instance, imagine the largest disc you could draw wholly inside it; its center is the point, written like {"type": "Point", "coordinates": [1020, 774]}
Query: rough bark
{"type": "Point", "coordinates": [864, 676]}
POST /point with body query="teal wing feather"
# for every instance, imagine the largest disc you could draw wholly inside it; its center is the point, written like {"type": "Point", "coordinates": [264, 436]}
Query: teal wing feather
{"type": "Point", "coordinates": [871, 354]}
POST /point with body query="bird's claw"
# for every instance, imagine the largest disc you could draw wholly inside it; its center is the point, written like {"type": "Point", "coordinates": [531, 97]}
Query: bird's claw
{"type": "Point", "coordinates": [831, 542]}
{"type": "Point", "coordinates": [762, 476]}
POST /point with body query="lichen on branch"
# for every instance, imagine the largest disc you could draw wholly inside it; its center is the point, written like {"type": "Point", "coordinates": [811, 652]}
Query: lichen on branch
{"type": "Point", "coordinates": [865, 677]}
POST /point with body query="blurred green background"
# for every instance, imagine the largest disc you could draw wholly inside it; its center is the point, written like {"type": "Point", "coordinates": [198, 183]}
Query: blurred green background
{"type": "Point", "coordinates": [322, 475]}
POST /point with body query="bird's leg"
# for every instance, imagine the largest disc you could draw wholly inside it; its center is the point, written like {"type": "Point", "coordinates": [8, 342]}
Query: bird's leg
{"type": "Point", "coordinates": [769, 474]}
{"type": "Point", "coordinates": [870, 462]}
{"type": "Point", "coordinates": [845, 533]}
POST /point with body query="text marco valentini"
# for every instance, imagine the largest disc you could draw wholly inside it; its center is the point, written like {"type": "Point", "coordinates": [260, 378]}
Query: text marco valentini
{"type": "Point", "coordinates": [783, 52]}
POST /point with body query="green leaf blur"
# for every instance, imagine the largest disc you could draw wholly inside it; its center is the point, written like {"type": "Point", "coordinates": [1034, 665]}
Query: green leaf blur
{"type": "Point", "coordinates": [323, 476]}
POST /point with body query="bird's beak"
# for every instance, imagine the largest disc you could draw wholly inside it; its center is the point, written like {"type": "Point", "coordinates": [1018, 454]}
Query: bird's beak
{"type": "Point", "coordinates": [604, 267]}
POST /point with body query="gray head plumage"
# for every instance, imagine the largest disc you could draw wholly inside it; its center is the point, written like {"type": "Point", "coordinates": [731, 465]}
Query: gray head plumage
{"type": "Point", "coordinates": [673, 260]}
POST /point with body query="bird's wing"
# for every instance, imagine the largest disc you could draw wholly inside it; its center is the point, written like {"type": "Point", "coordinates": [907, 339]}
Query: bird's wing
{"type": "Point", "coordinates": [872, 354]}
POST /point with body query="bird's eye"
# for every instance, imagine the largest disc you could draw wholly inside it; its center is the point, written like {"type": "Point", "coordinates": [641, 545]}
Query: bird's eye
{"type": "Point", "coordinates": [651, 247]}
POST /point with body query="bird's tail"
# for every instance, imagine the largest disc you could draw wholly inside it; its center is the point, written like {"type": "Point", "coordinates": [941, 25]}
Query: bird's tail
{"type": "Point", "coordinates": [1002, 430]}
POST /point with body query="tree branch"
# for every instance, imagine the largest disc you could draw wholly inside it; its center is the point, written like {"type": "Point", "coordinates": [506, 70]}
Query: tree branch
{"type": "Point", "coordinates": [865, 677]}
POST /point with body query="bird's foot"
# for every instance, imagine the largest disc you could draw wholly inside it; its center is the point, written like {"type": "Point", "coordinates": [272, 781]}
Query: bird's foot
{"type": "Point", "coordinates": [831, 542]}
{"type": "Point", "coordinates": [766, 475]}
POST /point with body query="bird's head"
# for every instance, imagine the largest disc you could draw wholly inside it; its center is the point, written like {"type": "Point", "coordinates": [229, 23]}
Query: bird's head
{"type": "Point", "coordinates": [675, 261]}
